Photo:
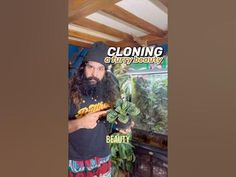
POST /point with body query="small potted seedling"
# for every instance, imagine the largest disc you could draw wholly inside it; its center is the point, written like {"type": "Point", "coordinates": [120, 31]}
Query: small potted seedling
{"type": "Point", "coordinates": [121, 114]}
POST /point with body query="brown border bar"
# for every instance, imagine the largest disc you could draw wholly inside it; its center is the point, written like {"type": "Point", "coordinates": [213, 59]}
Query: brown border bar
{"type": "Point", "coordinates": [202, 88]}
{"type": "Point", "coordinates": [33, 97]}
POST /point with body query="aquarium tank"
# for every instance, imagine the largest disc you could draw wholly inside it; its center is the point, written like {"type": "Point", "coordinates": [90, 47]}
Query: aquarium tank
{"type": "Point", "coordinates": [146, 86]}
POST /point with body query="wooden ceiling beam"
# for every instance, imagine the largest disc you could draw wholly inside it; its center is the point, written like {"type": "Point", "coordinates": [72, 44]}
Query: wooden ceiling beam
{"type": "Point", "coordinates": [89, 37]}
{"type": "Point", "coordinates": [132, 19]}
{"type": "Point", "coordinates": [120, 44]}
{"type": "Point", "coordinates": [83, 8]}
{"type": "Point", "coordinates": [102, 28]}
{"type": "Point", "coordinates": [74, 4]}
{"type": "Point", "coordinates": [79, 43]}
{"type": "Point", "coordinates": [151, 40]}
{"type": "Point", "coordinates": [161, 4]}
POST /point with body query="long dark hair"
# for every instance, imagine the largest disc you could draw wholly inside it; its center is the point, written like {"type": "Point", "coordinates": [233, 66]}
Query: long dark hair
{"type": "Point", "coordinates": [110, 91]}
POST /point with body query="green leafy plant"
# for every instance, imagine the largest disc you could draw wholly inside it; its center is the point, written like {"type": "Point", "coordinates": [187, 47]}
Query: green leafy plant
{"type": "Point", "coordinates": [122, 154]}
{"type": "Point", "coordinates": [159, 90]}
{"type": "Point", "coordinates": [151, 98]}
{"type": "Point", "coordinates": [124, 80]}
{"type": "Point", "coordinates": [122, 111]}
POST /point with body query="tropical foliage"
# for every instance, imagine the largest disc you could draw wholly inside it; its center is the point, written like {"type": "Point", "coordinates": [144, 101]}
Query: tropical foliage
{"type": "Point", "coordinates": [122, 111]}
{"type": "Point", "coordinates": [122, 154]}
{"type": "Point", "coordinates": [151, 98]}
{"type": "Point", "coordinates": [149, 95]}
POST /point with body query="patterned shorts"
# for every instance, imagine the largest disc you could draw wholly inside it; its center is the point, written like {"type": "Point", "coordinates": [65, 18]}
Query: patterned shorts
{"type": "Point", "coordinates": [95, 167]}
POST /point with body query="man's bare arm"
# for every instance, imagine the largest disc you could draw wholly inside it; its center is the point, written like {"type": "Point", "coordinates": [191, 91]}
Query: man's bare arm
{"type": "Point", "coordinates": [74, 125]}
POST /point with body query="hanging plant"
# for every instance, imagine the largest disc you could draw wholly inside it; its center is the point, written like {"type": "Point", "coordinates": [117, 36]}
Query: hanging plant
{"type": "Point", "coordinates": [122, 154]}
{"type": "Point", "coordinates": [122, 157]}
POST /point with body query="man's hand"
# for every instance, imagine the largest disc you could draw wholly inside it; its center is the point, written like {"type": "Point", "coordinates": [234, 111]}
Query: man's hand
{"type": "Point", "coordinates": [88, 121]}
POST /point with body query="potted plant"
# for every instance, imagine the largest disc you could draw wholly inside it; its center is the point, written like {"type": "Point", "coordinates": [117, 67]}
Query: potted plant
{"type": "Point", "coordinates": [121, 114]}
{"type": "Point", "coordinates": [122, 154]}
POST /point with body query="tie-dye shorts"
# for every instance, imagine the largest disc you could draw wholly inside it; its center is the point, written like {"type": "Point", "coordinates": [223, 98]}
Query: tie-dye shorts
{"type": "Point", "coordinates": [95, 167]}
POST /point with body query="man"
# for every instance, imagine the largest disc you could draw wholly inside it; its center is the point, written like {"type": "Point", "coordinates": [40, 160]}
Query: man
{"type": "Point", "coordinates": [92, 91]}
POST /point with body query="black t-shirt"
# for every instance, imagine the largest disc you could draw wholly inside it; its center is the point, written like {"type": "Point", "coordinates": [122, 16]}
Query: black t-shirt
{"type": "Point", "coordinates": [88, 143]}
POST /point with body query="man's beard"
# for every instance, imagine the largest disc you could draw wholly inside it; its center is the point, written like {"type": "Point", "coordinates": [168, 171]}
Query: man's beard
{"type": "Point", "coordinates": [91, 86]}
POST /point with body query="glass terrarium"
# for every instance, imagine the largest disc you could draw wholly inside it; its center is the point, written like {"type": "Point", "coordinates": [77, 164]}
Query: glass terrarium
{"type": "Point", "coordinates": [146, 86]}
{"type": "Point", "coordinates": [149, 93]}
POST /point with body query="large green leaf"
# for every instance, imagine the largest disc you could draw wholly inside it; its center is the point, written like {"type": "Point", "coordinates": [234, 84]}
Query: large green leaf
{"type": "Point", "coordinates": [118, 109]}
{"type": "Point", "coordinates": [114, 150]}
{"type": "Point", "coordinates": [125, 105]}
{"type": "Point", "coordinates": [122, 118]}
{"type": "Point", "coordinates": [129, 166]}
{"type": "Point", "coordinates": [118, 102]}
{"type": "Point", "coordinates": [133, 111]}
{"type": "Point", "coordinates": [122, 151]}
{"type": "Point", "coordinates": [112, 116]}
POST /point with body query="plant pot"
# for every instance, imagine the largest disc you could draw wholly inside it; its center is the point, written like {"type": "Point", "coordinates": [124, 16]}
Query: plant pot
{"type": "Point", "coordinates": [121, 125]}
